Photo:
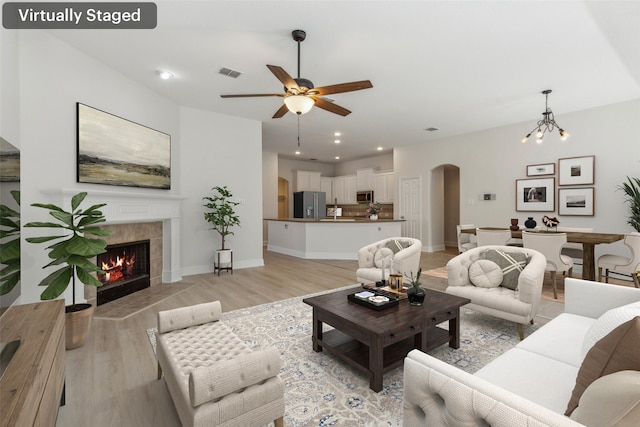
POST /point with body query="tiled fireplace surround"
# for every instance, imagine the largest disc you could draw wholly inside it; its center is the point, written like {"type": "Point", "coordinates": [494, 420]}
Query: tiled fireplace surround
{"type": "Point", "coordinates": [140, 216]}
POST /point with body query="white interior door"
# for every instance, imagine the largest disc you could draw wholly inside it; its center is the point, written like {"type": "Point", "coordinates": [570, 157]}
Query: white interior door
{"type": "Point", "coordinates": [410, 207]}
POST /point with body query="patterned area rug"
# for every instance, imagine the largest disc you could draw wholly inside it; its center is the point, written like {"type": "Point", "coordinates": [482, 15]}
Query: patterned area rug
{"type": "Point", "coordinates": [322, 391]}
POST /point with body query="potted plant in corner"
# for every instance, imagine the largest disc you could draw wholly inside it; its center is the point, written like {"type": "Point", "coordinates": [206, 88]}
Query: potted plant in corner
{"type": "Point", "coordinates": [222, 217]}
{"type": "Point", "coordinates": [9, 246]}
{"type": "Point", "coordinates": [72, 253]}
{"type": "Point", "coordinates": [632, 192]}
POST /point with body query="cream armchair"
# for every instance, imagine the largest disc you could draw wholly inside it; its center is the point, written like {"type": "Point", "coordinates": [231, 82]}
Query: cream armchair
{"type": "Point", "coordinates": [519, 305]}
{"type": "Point", "coordinates": [402, 254]}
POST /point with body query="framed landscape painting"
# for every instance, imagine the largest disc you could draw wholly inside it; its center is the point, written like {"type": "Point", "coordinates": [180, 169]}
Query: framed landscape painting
{"type": "Point", "coordinates": [116, 151]}
{"type": "Point", "coordinates": [535, 195]}
{"type": "Point", "coordinates": [576, 170]}
{"type": "Point", "coordinates": [576, 201]}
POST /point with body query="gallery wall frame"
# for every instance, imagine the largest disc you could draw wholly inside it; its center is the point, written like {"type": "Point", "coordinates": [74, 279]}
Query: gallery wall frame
{"type": "Point", "coordinates": [576, 201]}
{"type": "Point", "coordinates": [116, 151]}
{"type": "Point", "coordinates": [543, 169]}
{"type": "Point", "coordinates": [576, 170]}
{"type": "Point", "coordinates": [535, 194]}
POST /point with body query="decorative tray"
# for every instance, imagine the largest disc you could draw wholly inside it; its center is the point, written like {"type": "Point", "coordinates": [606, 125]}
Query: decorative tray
{"type": "Point", "coordinates": [373, 299]}
{"type": "Point", "coordinates": [386, 290]}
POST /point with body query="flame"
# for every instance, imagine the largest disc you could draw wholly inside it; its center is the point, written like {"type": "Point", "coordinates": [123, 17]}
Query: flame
{"type": "Point", "coordinates": [114, 268]}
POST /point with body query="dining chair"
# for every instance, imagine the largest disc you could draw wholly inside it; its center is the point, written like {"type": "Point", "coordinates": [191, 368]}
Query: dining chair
{"type": "Point", "coordinates": [487, 237]}
{"type": "Point", "coordinates": [550, 245]}
{"type": "Point", "coordinates": [622, 265]}
{"type": "Point", "coordinates": [571, 249]}
{"type": "Point", "coordinates": [464, 239]}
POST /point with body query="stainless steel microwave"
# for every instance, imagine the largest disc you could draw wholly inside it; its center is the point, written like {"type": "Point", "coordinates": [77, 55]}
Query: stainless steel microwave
{"type": "Point", "coordinates": [364, 196]}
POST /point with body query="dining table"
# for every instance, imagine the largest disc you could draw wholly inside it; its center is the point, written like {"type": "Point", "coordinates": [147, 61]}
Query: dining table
{"type": "Point", "coordinates": [589, 241]}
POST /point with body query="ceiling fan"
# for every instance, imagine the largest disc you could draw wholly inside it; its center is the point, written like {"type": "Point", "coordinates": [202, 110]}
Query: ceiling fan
{"type": "Point", "coordinates": [300, 95]}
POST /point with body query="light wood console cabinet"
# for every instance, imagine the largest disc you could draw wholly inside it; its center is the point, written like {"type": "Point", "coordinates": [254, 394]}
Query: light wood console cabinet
{"type": "Point", "coordinates": [32, 386]}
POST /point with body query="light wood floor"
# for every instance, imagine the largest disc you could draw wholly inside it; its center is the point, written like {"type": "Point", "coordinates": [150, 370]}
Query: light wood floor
{"type": "Point", "coordinates": [111, 380]}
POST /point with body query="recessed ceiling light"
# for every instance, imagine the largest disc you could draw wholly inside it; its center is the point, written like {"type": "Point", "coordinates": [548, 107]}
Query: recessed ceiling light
{"type": "Point", "coordinates": [337, 157]}
{"type": "Point", "coordinates": [164, 74]}
{"type": "Point", "coordinates": [297, 153]}
{"type": "Point", "coordinates": [337, 141]}
{"type": "Point", "coordinates": [336, 134]}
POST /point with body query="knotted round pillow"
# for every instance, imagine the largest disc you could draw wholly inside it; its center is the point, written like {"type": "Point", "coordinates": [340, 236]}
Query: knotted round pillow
{"type": "Point", "coordinates": [383, 254]}
{"type": "Point", "coordinates": [485, 274]}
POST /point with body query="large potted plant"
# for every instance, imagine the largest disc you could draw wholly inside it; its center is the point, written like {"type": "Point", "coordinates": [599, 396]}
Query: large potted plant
{"type": "Point", "coordinates": [72, 252]}
{"type": "Point", "coordinates": [631, 190]}
{"type": "Point", "coordinates": [222, 216]}
{"type": "Point", "coordinates": [9, 246]}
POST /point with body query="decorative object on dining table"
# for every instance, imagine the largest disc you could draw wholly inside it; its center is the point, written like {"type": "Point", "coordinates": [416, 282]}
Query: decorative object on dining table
{"type": "Point", "coordinates": [576, 170]}
{"type": "Point", "coordinates": [514, 225]}
{"type": "Point", "coordinates": [535, 194]}
{"type": "Point", "coordinates": [530, 223]}
{"type": "Point", "coordinates": [415, 293]}
{"type": "Point", "coordinates": [373, 209]}
{"type": "Point", "coordinates": [550, 221]}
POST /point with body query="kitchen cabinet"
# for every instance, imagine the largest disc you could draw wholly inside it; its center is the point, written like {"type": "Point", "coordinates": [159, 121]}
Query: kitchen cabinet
{"type": "Point", "coordinates": [307, 181]}
{"type": "Point", "coordinates": [364, 179]}
{"type": "Point", "coordinates": [384, 187]}
{"type": "Point", "coordinates": [338, 188]}
{"type": "Point", "coordinates": [326, 185]}
{"type": "Point", "coordinates": [350, 189]}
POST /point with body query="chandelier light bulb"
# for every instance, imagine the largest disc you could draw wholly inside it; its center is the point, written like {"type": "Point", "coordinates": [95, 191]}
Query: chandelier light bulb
{"type": "Point", "coordinates": [563, 135]}
{"type": "Point", "coordinates": [539, 134]}
{"type": "Point", "coordinates": [523, 140]}
{"type": "Point", "coordinates": [539, 141]}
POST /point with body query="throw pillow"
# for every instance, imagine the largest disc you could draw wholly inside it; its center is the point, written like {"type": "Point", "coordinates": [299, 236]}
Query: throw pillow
{"type": "Point", "coordinates": [607, 322]}
{"type": "Point", "coordinates": [617, 351]}
{"type": "Point", "coordinates": [383, 255]}
{"type": "Point", "coordinates": [485, 274]}
{"type": "Point", "coordinates": [511, 263]}
{"type": "Point", "coordinates": [397, 245]}
{"type": "Point", "coordinates": [612, 400]}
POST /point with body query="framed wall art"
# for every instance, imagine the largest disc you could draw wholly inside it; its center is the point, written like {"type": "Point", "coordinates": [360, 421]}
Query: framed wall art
{"type": "Point", "coordinates": [544, 169]}
{"type": "Point", "coordinates": [116, 151]}
{"type": "Point", "coordinates": [576, 170]}
{"type": "Point", "coordinates": [576, 201]}
{"type": "Point", "coordinates": [535, 194]}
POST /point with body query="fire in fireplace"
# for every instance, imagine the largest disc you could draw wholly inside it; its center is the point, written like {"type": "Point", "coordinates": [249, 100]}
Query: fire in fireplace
{"type": "Point", "coordinates": [126, 268]}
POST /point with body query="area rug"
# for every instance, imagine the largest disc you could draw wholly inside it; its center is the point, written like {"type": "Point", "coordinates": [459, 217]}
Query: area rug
{"type": "Point", "coordinates": [322, 391]}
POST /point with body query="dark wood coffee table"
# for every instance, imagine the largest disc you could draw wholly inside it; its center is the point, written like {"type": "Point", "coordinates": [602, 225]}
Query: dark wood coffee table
{"type": "Point", "coordinates": [376, 342]}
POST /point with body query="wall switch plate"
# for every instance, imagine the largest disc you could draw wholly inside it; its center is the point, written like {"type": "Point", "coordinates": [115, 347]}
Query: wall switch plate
{"type": "Point", "coordinates": [487, 196]}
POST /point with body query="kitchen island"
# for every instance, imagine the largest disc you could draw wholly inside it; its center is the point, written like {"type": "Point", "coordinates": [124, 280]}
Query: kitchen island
{"type": "Point", "coordinates": [326, 238]}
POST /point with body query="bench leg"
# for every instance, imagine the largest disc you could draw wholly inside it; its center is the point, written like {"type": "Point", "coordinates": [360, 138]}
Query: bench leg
{"type": "Point", "coordinates": [279, 422]}
{"type": "Point", "coordinates": [159, 371]}
{"type": "Point", "coordinates": [520, 331]}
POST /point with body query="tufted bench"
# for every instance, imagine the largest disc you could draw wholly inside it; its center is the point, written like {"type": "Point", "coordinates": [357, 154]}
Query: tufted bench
{"type": "Point", "coordinates": [213, 377]}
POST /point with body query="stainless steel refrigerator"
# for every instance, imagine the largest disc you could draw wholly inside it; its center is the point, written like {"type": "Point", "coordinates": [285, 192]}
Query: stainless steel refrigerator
{"type": "Point", "coordinates": [309, 204]}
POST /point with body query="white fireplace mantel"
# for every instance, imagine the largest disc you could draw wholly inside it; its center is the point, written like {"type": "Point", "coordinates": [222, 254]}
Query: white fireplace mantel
{"type": "Point", "coordinates": [129, 207]}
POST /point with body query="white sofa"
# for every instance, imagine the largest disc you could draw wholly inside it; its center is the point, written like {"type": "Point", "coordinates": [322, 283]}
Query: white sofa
{"type": "Point", "coordinates": [530, 384]}
{"type": "Point", "coordinates": [404, 261]}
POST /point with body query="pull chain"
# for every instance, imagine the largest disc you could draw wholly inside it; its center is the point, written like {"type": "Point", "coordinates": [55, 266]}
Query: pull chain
{"type": "Point", "coordinates": [298, 130]}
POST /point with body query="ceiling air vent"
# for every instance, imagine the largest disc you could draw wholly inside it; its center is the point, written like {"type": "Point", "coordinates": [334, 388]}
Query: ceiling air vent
{"type": "Point", "coordinates": [229, 72]}
{"type": "Point", "coordinates": [431, 129]}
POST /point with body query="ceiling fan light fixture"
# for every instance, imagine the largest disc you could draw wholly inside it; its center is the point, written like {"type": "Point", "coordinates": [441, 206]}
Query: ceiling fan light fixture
{"type": "Point", "coordinates": [299, 104]}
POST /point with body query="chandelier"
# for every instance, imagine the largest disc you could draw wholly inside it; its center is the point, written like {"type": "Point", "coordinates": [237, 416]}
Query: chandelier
{"type": "Point", "coordinates": [547, 123]}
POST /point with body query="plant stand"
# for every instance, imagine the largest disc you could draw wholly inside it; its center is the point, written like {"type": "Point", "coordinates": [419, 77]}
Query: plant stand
{"type": "Point", "coordinates": [227, 260]}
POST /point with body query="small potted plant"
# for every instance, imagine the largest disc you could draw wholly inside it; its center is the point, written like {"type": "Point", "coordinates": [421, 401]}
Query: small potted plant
{"type": "Point", "coordinates": [373, 210]}
{"type": "Point", "coordinates": [415, 294]}
{"type": "Point", "coordinates": [222, 217]}
{"type": "Point", "coordinates": [73, 253]}
{"type": "Point", "coordinates": [631, 190]}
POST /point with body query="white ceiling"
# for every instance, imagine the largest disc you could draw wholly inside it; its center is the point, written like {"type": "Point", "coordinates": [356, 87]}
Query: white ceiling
{"type": "Point", "coordinates": [459, 66]}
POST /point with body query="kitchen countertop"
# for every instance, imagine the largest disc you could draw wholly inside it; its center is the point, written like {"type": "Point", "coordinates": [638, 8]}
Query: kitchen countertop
{"type": "Point", "coordinates": [340, 219]}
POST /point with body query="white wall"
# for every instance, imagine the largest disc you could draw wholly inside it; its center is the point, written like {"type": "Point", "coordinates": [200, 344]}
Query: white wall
{"type": "Point", "coordinates": [491, 161]}
{"type": "Point", "coordinates": [54, 76]}
{"type": "Point", "coordinates": [382, 162]}
{"type": "Point", "coordinates": [269, 190]}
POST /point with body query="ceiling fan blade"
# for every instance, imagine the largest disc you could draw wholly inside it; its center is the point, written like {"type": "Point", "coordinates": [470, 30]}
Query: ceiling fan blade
{"type": "Point", "coordinates": [284, 77]}
{"type": "Point", "coordinates": [281, 112]}
{"type": "Point", "coordinates": [251, 95]}
{"type": "Point", "coordinates": [330, 106]}
{"type": "Point", "coordinates": [340, 88]}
